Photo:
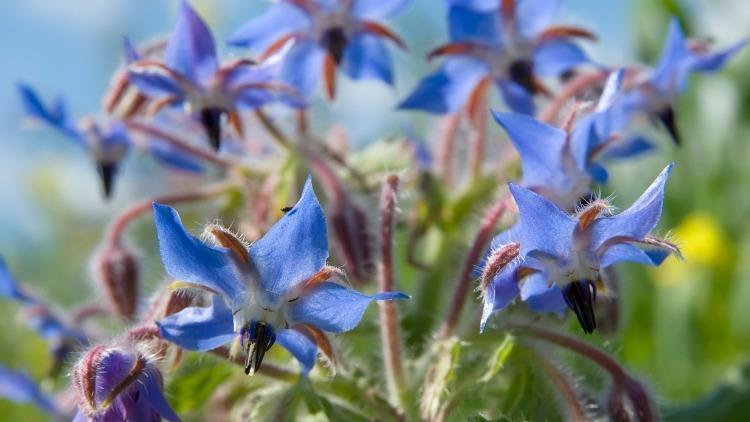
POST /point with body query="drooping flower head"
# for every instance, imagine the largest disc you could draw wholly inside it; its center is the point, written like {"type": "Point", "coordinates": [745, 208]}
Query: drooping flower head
{"type": "Point", "coordinates": [279, 290]}
{"type": "Point", "coordinates": [107, 142]}
{"type": "Point", "coordinates": [554, 260]}
{"type": "Point", "coordinates": [20, 388]}
{"type": "Point", "coordinates": [655, 91]}
{"type": "Point", "coordinates": [119, 382]}
{"type": "Point", "coordinates": [192, 77]}
{"type": "Point", "coordinates": [326, 34]}
{"type": "Point", "coordinates": [506, 43]}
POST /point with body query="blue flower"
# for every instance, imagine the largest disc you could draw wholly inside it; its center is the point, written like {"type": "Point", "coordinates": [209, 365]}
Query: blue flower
{"type": "Point", "coordinates": [38, 316]}
{"type": "Point", "coordinates": [326, 34]}
{"type": "Point", "coordinates": [117, 383]}
{"type": "Point", "coordinates": [554, 260]}
{"type": "Point", "coordinates": [107, 143]}
{"type": "Point", "coordinates": [192, 77]}
{"type": "Point", "coordinates": [277, 290]}
{"type": "Point", "coordinates": [20, 388]}
{"type": "Point", "coordinates": [655, 94]}
{"type": "Point", "coordinates": [562, 165]}
{"type": "Point", "coordinates": [509, 44]}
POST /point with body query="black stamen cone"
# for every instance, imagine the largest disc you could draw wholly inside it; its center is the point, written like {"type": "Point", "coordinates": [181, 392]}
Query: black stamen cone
{"type": "Point", "coordinates": [580, 297]}
{"type": "Point", "coordinates": [211, 120]}
{"type": "Point", "coordinates": [107, 173]}
{"type": "Point", "coordinates": [522, 73]}
{"type": "Point", "coordinates": [334, 41]}
{"type": "Point", "coordinates": [666, 117]}
{"type": "Point", "coordinates": [261, 339]}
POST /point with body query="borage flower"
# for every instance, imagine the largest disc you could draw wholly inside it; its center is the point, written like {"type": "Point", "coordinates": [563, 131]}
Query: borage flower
{"type": "Point", "coordinates": [107, 142]}
{"type": "Point", "coordinates": [508, 43]}
{"type": "Point", "coordinates": [277, 290]}
{"type": "Point", "coordinates": [192, 77]}
{"type": "Point", "coordinates": [554, 260]}
{"type": "Point", "coordinates": [562, 163]}
{"type": "Point", "coordinates": [326, 34]}
{"type": "Point", "coordinates": [117, 383]}
{"type": "Point", "coordinates": [656, 91]}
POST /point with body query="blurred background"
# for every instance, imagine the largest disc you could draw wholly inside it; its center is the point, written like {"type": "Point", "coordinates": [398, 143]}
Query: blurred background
{"type": "Point", "coordinates": [686, 325]}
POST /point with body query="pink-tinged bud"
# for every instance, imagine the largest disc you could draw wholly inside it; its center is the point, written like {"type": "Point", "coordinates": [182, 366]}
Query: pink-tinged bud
{"type": "Point", "coordinates": [117, 272]}
{"type": "Point", "coordinates": [119, 383]}
{"type": "Point", "coordinates": [350, 229]}
{"type": "Point", "coordinates": [499, 258]}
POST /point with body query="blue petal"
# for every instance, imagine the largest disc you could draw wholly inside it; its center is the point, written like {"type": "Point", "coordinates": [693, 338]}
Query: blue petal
{"type": "Point", "coordinates": [516, 97]}
{"type": "Point", "coordinates": [9, 287]}
{"type": "Point", "coordinates": [302, 67]}
{"type": "Point", "coordinates": [190, 49]}
{"type": "Point", "coordinates": [612, 89]}
{"type": "Point", "coordinates": [295, 248]}
{"type": "Point", "coordinates": [629, 148]}
{"type": "Point", "coordinates": [533, 16]}
{"type": "Point", "coordinates": [598, 172]}
{"type": "Point", "coordinates": [715, 61]}
{"type": "Point", "coordinates": [55, 116]}
{"type": "Point", "coordinates": [477, 5]}
{"type": "Point", "coordinates": [333, 307]}
{"type": "Point", "coordinates": [554, 57]}
{"type": "Point", "coordinates": [154, 82]}
{"type": "Point", "coordinates": [150, 389]}
{"type": "Point", "coordinates": [539, 145]}
{"type": "Point", "coordinates": [129, 50]}
{"type": "Point", "coordinates": [670, 72]}
{"type": "Point", "coordinates": [502, 290]}
{"type": "Point", "coordinates": [197, 328]}
{"type": "Point", "coordinates": [19, 388]}
{"type": "Point", "coordinates": [301, 347]}
{"type": "Point", "coordinates": [625, 252]}
{"type": "Point", "coordinates": [468, 24]}
{"type": "Point", "coordinates": [366, 56]}
{"type": "Point", "coordinates": [541, 297]}
{"type": "Point", "coordinates": [166, 154]}
{"type": "Point", "coordinates": [377, 9]}
{"type": "Point", "coordinates": [281, 19]}
{"type": "Point", "coordinates": [188, 259]}
{"type": "Point", "coordinates": [638, 220]}
{"type": "Point", "coordinates": [543, 227]}
{"type": "Point", "coordinates": [447, 90]}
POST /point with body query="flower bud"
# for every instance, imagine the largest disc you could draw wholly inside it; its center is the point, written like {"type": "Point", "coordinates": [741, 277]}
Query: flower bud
{"type": "Point", "coordinates": [119, 383]}
{"type": "Point", "coordinates": [350, 229]}
{"type": "Point", "coordinates": [117, 272]}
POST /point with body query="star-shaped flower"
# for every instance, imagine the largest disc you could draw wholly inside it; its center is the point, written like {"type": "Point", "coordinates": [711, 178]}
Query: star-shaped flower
{"type": "Point", "coordinates": [507, 43]}
{"type": "Point", "coordinates": [277, 290]}
{"type": "Point", "coordinates": [655, 92]}
{"type": "Point", "coordinates": [107, 142]}
{"type": "Point", "coordinates": [326, 34]}
{"type": "Point", "coordinates": [554, 260]}
{"type": "Point", "coordinates": [192, 77]}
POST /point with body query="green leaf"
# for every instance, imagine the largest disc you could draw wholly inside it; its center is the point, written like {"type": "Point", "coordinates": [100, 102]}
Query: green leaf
{"type": "Point", "coordinates": [497, 362]}
{"type": "Point", "coordinates": [196, 381]}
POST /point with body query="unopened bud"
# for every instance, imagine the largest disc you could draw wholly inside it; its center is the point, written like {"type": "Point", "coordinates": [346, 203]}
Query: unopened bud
{"type": "Point", "coordinates": [117, 272]}
{"type": "Point", "coordinates": [350, 229]}
{"type": "Point", "coordinates": [119, 383]}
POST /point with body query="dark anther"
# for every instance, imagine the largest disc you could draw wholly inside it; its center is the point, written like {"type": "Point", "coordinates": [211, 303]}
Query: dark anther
{"type": "Point", "coordinates": [666, 117]}
{"type": "Point", "coordinates": [522, 73]}
{"type": "Point", "coordinates": [107, 173]}
{"type": "Point", "coordinates": [211, 121]}
{"type": "Point", "coordinates": [286, 209]}
{"type": "Point", "coordinates": [580, 297]}
{"type": "Point", "coordinates": [261, 338]}
{"type": "Point", "coordinates": [334, 41]}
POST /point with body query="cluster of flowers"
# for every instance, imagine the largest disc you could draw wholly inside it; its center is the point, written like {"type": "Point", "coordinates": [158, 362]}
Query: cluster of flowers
{"type": "Point", "coordinates": [238, 300]}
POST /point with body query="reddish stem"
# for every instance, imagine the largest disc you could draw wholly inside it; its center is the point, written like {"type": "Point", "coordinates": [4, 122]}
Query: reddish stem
{"type": "Point", "coordinates": [114, 233]}
{"type": "Point", "coordinates": [475, 253]}
{"type": "Point", "coordinates": [570, 89]}
{"type": "Point", "coordinates": [389, 329]}
{"type": "Point", "coordinates": [180, 144]}
{"type": "Point", "coordinates": [447, 146]}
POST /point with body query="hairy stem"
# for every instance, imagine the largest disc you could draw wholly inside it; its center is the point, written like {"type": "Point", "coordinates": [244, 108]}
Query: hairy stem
{"type": "Point", "coordinates": [389, 329]}
{"type": "Point", "coordinates": [114, 233]}
{"type": "Point", "coordinates": [475, 253]}
{"type": "Point", "coordinates": [447, 145]}
{"type": "Point", "coordinates": [276, 133]}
